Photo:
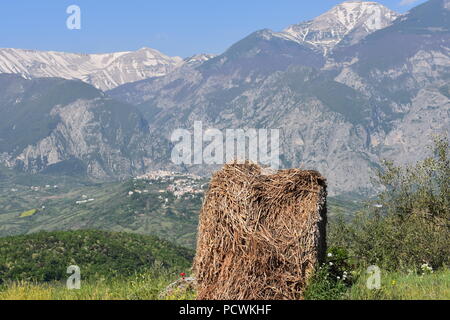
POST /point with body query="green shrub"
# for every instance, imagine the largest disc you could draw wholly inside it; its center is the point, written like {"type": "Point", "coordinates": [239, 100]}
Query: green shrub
{"type": "Point", "coordinates": [332, 278]}
{"type": "Point", "coordinates": [408, 224]}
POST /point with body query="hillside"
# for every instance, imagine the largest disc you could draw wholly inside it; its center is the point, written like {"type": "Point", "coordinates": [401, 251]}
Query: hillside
{"type": "Point", "coordinates": [67, 203]}
{"type": "Point", "coordinates": [167, 207]}
{"type": "Point", "coordinates": [67, 126]}
{"type": "Point", "coordinates": [45, 256]}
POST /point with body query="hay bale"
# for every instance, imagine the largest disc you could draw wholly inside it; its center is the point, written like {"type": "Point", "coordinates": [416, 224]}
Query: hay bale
{"type": "Point", "coordinates": [260, 236]}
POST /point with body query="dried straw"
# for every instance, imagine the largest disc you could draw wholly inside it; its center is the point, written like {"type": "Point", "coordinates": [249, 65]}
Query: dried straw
{"type": "Point", "coordinates": [260, 236]}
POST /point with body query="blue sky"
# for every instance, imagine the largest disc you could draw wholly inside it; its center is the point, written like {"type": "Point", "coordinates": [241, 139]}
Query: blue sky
{"type": "Point", "coordinates": [176, 27]}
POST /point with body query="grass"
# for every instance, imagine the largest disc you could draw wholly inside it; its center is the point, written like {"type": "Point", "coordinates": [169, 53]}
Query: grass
{"type": "Point", "coordinates": [146, 286]}
{"type": "Point", "coordinates": [28, 213]}
{"type": "Point", "coordinates": [399, 286]}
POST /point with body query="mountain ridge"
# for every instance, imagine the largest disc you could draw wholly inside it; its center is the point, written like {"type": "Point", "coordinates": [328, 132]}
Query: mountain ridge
{"type": "Point", "coordinates": [56, 123]}
{"type": "Point", "coordinates": [104, 71]}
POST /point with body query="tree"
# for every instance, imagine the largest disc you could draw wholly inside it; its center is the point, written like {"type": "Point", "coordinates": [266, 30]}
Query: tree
{"type": "Point", "coordinates": [410, 225]}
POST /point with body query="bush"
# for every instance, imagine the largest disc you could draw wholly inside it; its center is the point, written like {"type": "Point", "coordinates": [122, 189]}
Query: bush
{"type": "Point", "coordinates": [45, 256]}
{"type": "Point", "coordinates": [332, 278]}
{"type": "Point", "coordinates": [408, 225]}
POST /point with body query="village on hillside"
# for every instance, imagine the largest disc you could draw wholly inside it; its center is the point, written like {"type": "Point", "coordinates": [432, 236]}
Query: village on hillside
{"type": "Point", "coordinates": [180, 184]}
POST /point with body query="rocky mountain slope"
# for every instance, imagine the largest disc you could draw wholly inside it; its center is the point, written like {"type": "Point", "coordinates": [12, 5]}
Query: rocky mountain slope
{"type": "Point", "coordinates": [104, 71]}
{"type": "Point", "coordinates": [340, 111]}
{"type": "Point", "coordinates": [405, 70]}
{"type": "Point", "coordinates": [57, 125]}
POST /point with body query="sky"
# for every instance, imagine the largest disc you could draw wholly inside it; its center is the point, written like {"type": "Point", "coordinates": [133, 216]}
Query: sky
{"type": "Point", "coordinates": [177, 27]}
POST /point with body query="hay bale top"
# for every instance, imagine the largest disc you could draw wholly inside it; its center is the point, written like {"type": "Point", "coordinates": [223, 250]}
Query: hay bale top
{"type": "Point", "coordinates": [260, 228]}
{"type": "Point", "coordinates": [274, 182]}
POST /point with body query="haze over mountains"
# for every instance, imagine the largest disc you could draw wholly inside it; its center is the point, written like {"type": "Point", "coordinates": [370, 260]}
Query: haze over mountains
{"type": "Point", "coordinates": [357, 84]}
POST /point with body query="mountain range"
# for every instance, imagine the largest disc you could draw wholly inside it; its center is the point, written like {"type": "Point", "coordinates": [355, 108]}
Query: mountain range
{"type": "Point", "coordinates": [358, 84]}
{"type": "Point", "coordinates": [104, 71]}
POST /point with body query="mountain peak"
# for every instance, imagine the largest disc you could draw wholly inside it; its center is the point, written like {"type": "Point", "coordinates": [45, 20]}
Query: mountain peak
{"type": "Point", "coordinates": [199, 58]}
{"type": "Point", "coordinates": [348, 22]}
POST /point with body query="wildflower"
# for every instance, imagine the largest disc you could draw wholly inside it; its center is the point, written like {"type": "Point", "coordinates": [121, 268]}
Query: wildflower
{"type": "Point", "coordinates": [394, 282]}
{"type": "Point", "coordinates": [183, 275]}
{"type": "Point", "coordinates": [331, 263]}
{"type": "Point", "coordinates": [330, 255]}
{"type": "Point", "coordinates": [426, 268]}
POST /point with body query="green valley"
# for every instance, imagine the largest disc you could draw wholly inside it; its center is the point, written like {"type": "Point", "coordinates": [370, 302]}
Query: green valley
{"type": "Point", "coordinates": [165, 206]}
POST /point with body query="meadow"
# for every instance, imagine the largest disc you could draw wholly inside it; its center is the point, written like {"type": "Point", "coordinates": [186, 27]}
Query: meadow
{"type": "Point", "coordinates": [152, 284]}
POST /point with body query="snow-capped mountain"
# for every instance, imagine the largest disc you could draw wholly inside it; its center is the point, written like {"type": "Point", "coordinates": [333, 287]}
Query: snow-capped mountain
{"type": "Point", "coordinates": [345, 96]}
{"type": "Point", "coordinates": [380, 98]}
{"type": "Point", "coordinates": [198, 59]}
{"type": "Point", "coordinates": [348, 23]}
{"type": "Point", "coordinates": [104, 71]}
